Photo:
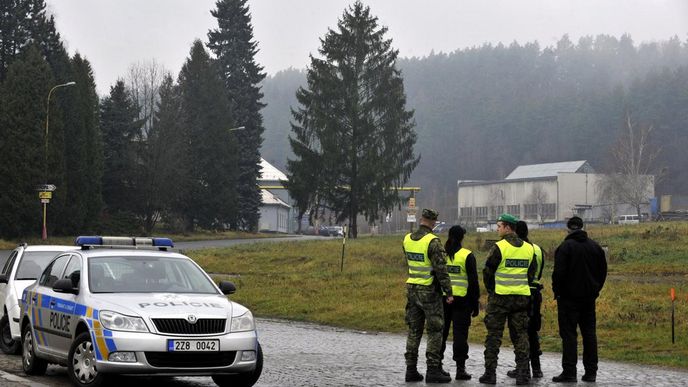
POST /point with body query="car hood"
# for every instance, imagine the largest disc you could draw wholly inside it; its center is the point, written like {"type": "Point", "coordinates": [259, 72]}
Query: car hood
{"type": "Point", "coordinates": [168, 305]}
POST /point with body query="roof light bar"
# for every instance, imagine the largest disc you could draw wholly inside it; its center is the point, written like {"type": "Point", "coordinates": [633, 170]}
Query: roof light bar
{"type": "Point", "coordinates": [122, 241]}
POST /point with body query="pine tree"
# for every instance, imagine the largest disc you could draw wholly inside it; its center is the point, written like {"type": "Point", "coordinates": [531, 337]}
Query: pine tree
{"type": "Point", "coordinates": [22, 144]}
{"type": "Point", "coordinates": [353, 113]}
{"type": "Point", "coordinates": [212, 196]}
{"type": "Point", "coordinates": [233, 45]}
{"type": "Point", "coordinates": [120, 127]}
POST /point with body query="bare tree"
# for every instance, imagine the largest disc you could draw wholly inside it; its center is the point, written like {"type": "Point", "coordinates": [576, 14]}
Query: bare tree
{"type": "Point", "coordinates": [538, 196]}
{"type": "Point", "coordinates": [144, 82]}
{"type": "Point", "coordinates": [631, 180]}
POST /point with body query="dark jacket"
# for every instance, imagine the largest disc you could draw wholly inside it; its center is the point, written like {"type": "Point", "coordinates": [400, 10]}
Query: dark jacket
{"type": "Point", "coordinates": [580, 267]}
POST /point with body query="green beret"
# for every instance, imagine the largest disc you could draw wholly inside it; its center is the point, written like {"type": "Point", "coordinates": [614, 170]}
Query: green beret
{"type": "Point", "coordinates": [508, 218]}
{"type": "Point", "coordinates": [429, 213]}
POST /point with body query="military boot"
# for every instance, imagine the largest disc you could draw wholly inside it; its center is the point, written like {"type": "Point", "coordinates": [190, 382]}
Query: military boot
{"type": "Point", "coordinates": [412, 374]}
{"type": "Point", "coordinates": [435, 375]}
{"type": "Point", "coordinates": [489, 377]}
{"type": "Point", "coordinates": [535, 365]}
{"type": "Point", "coordinates": [589, 376]}
{"type": "Point", "coordinates": [443, 371]}
{"type": "Point", "coordinates": [565, 377]}
{"type": "Point", "coordinates": [514, 373]}
{"type": "Point", "coordinates": [461, 373]}
{"type": "Point", "coordinates": [523, 377]}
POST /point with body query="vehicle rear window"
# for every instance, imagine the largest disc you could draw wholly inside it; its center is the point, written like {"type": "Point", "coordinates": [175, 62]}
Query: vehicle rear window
{"type": "Point", "coordinates": [147, 275]}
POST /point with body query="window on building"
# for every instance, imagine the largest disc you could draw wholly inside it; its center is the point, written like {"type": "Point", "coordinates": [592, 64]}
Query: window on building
{"type": "Point", "coordinates": [549, 211]}
{"type": "Point", "coordinates": [514, 210]}
{"type": "Point", "coordinates": [496, 211]}
{"type": "Point", "coordinates": [481, 213]}
{"type": "Point", "coordinates": [530, 211]}
{"type": "Point", "coordinates": [466, 212]}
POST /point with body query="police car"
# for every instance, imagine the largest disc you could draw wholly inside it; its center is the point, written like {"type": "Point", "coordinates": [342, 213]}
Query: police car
{"type": "Point", "coordinates": [24, 265]}
{"type": "Point", "coordinates": [136, 307]}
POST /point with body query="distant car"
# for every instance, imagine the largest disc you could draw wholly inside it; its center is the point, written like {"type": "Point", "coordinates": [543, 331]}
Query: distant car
{"type": "Point", "coordinates": [131, 306]}
{"type": "Point", "coordinates": [628, 219]}
{"type": "Point", "coordinates": [441, 227]}
{"type": "Point", "coordinates": [24, 265]}
{"type": "Point", "coordinates": [482, 229]}
{"type": "Point", "coordinates": [331, 231]}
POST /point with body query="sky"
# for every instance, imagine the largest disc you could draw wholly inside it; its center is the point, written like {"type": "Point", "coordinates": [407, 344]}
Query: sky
{"type": "Point", "coordinates": [114, 34]}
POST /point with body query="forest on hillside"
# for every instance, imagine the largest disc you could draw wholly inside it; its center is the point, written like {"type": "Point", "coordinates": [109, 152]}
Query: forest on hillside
{"type": "Point", "coordinates": [482, 111]}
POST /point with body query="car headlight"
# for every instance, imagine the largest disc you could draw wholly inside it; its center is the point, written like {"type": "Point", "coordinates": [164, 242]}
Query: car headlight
{"type": "Point", "coordinates": [118, 322]}
{"type": "Point", "coordinates": [243, 323]}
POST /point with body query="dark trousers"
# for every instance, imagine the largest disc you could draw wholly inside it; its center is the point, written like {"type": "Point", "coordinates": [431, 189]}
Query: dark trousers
{"type": "Point", "coordinates": [574, 313]}
{"type": "Point", "coordinates": [457, 317]}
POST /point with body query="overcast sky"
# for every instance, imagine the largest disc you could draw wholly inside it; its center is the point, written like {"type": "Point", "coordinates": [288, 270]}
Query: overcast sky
{"type": "Point", "coordinates": [113, 34]}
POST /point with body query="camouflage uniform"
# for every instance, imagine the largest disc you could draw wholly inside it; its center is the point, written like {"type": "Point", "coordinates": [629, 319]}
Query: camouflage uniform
{"type": "Point", "coordinates": [424, 303]}
{"type": "Point", "coordinates": [503, 307]}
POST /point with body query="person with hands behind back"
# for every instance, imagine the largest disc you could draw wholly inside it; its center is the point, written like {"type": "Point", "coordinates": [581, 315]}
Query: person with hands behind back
{"type": "Point", "coordinates": [463, 273]}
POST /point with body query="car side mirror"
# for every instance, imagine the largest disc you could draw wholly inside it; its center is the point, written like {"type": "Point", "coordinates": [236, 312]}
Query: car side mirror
{"type": "Point", "coordinates": [65, 285]}
{"type": "Point", "coordinates": [227, 287]}
{"type": "Point", "coordinates": [3, 278]}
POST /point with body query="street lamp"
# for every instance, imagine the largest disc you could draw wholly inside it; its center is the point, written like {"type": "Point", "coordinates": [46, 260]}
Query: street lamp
{"type": "Point", "coordinates": [45, 193]}
{"type": "Point", "coordinates": [237, 128]}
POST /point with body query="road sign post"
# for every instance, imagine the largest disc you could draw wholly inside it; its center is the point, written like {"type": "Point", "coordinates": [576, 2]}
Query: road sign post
{"type": "Point", "coordinates": [45, 193]}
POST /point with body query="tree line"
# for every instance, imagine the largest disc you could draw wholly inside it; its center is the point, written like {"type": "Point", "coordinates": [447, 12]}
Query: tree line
{"type": "Point", "coordinates": [482, 111]}
{"type": "Point", "coordinates": [156, 148]}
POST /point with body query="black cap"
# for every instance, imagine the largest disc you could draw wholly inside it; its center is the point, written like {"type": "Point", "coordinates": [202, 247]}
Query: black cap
{"type": "Point", "coordinates": [574, 223]}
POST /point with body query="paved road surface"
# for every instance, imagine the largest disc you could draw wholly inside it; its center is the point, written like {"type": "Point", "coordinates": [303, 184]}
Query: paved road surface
{"type": "Point", "coordinates": [300, 354]}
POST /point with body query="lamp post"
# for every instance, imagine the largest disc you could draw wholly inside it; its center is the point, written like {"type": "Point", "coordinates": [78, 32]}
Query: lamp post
{"type": "Point", "coordinates": [45, 191]}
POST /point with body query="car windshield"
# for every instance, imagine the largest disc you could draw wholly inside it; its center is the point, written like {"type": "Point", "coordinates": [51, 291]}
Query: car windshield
{"type": "Point", "coordinates": [32, 264]}
{"type": "Point", "coordinates": [147, 275]}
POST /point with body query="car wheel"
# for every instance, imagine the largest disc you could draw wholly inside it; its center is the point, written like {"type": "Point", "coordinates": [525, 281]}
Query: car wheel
{"type": "Point", "coordinates": [247, 379]}
{"type": "Point", "coordinates": [82, 362]}
{"type": "Point", "coordinates": [7, 343]}
{"type": "Point", "coordinates": [31, 364]}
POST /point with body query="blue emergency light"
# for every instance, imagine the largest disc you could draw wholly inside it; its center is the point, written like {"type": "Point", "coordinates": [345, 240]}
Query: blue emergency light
{"type": "Point", "coordinates": [85, 241]}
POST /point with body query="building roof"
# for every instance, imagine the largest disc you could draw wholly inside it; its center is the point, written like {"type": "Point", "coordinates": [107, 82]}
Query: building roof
{"type": "Point", "coordinates": [269, 172]}
{"type": "Point", "coordinates": [549, 169]}
{"type": "Point", "coordinates": [270, 199]}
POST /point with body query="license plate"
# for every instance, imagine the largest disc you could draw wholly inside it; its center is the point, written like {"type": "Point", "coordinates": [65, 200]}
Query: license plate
{"type": "Point", "coordinates": [193, 345]}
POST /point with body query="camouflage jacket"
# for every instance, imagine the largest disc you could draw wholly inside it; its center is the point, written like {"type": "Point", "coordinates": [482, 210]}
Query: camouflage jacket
{"type": "Point", "coordinates": [436, 255]}
{"type": "Point", "coordinates": [494, 258]}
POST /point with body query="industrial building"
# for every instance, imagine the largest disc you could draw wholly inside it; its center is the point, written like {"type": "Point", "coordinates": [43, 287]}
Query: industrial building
{"type": "Point", "coordinates": [544, 194]}
{"type": "Point", "coordinates": [275, 212]}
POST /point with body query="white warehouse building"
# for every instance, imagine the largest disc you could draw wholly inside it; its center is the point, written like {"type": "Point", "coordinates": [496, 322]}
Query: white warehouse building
{"type": "Point", "coordinates": [541, 193]}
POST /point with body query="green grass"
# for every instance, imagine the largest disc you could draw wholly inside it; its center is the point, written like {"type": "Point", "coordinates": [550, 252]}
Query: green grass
{"type": "Point", "coordinates": [303, 281]}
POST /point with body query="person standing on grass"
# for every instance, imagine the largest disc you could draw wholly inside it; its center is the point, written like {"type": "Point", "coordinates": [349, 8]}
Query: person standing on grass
{"type": "Point", "coordinates": [535, 318]}
{"type": "Point", "coordinates": [580, 270]}
{"type": "Point", "coordinates": [463, 273]}
{"type": "Point", "coordinates": [427, 279]}
{"type": "Point", "coordinates": [509, 269]}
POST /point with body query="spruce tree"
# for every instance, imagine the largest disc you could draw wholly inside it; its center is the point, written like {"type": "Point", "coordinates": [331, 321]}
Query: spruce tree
{"type": "Point", "coordinates": [120, 126]}
{"type": "Point", "coordinates": [22, 144]}
{"type": "Point", "coordinates": [233, 45]}
{"type": "Point", "coordinates": [83, 151]}
{"type": "Point", "coordinates": [353, 113]}
{"type": "Point", "coordinates": [211, 200]}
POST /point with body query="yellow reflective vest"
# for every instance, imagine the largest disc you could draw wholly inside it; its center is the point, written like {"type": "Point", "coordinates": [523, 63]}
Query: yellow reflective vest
{"type": "Point", "coordinates": [457, 272]}
{"type": "Point", "coordinates": [419, 266]}
{"type": "Point", "coordinates": [511, 277]}
{"type": "Point", "coordinates": [538, 260]}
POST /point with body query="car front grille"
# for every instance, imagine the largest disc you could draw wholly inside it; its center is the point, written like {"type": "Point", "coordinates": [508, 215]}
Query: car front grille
{"type": "Point", "coordinates": [180, 326]}
{"type": "Point", "coordinates": [190, 359]}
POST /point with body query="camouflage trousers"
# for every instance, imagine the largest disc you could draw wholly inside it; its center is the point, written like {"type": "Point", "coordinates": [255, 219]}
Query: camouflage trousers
{"type": "Point", "coordinates": [499, 309]}
{"type": "Point", "coordinates": [424, 305]}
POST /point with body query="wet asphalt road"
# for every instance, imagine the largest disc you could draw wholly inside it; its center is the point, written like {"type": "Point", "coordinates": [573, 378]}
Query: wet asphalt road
{"type": "Point", "coordinates": [301, 354]}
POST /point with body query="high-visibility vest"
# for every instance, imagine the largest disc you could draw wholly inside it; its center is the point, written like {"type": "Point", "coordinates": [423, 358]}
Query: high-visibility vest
{"type": "Point", "coordinates": [538, 260]}
{"type": "Point", "coordinates": [511, 277]}
{"type": "Point", "coordinates": [457, 272]}
{"type": "Point", "coordinates": [419, 266]}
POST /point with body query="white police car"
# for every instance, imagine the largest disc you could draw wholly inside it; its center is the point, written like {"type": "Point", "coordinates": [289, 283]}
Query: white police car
{"type": "Point", "coordinates": [24, 265]}
{"type": "Point", "coordinates": [136, 308]}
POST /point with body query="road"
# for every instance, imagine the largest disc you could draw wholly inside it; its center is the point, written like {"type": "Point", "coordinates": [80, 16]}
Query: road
{"type": "Point", "coordinates": [302, 354]}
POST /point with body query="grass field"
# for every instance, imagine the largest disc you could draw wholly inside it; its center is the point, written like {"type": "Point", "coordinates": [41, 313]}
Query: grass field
{"type": "Point", "coordinates": [303, 281]}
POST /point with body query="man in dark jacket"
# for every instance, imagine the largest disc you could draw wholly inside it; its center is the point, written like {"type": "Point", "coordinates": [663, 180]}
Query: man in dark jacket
{"type": "Point", "coordinates": [580, 269]}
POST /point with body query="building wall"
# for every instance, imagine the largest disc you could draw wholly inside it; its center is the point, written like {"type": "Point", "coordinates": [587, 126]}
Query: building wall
{"type": "Point", "coordinates": [541, 200]}
{"type": "Point", "coordinates": [274, 218]}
